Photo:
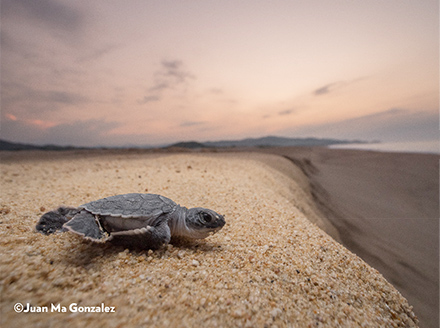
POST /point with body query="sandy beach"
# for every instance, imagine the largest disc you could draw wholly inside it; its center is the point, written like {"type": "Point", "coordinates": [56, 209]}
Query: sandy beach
{"type": "Point", "coordinates": [272, 265]}
{"type": "Point", "coordinates": [386, 209]}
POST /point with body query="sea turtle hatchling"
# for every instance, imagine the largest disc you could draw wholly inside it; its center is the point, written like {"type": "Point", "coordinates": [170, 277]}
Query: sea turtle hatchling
{"type": "Point", "coordinates": [139, 220]}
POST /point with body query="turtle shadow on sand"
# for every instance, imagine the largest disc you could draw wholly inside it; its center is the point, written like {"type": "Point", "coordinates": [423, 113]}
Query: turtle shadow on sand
{"type": "Point", "coordinates": [89, 254]}
{"type": "Point", "coordinates": [190, 244]}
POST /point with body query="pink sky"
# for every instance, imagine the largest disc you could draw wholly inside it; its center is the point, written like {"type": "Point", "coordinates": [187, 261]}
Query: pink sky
{"type": "Point", "coordinates": [91, 73]}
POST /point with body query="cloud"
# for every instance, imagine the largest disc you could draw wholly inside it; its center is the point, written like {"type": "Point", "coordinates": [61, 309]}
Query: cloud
{"type": "Point", "coordinates": [191, 123]}
{"type": "Point", "coordinates": [7, 41]}
{"type": "Point", "coordinates": [380, 115]}
{"type": "Point", "coordinates": [38, 73]}
{"type": "Point", "coordinates": [286, 112]}
{"type": "Point", "coordinates": [392, 125]}
{"type": "Point", "coordinates": [170, 76]}
{"type": "Point", "coordinates": [61, 97]}
{"type": "Point", "coordinates": [148, 99]}
{"type": "Point", "coordinates": [326, 89]}
{"type": "Point", "coordinates": [85, 133]}
{"type": "Point", "coordinates": [174, 69]}
{"type": "Point", "coordinates": [25, 97]}
{"type": "Point", "coordinates": [77, 133]}
{"type": "Point", "coordinates": [11, 117]}
{"type": "Point", "coordinates": [159, 86]}
{"type": "Point", "coordinates": [331, 87]}
{"type": "Point", "coordinates": [98, 53]}
{"type": "Point", "coordinates": [52, 14]}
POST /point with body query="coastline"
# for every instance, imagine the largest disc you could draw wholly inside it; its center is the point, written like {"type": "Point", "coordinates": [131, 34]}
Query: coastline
{"type": "Point", "coordinates": [385, 206]}
{"type": "Point", "coordinates": [421, 147]}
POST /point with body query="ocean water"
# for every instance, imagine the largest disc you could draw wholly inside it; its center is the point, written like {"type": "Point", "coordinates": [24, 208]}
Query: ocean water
{"type": "Point", "coordinates": [431, 147]}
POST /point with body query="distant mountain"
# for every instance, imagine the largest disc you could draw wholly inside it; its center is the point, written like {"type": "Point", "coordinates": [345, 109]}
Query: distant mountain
{"type": "Point", "coordinates": [269, 141]}
{"type": "Point", "coordinates": [187, 144]}
{"type": "Point", "coordinates": [272, 141]}
{"type": "Point", "coordinates": [7, 145]}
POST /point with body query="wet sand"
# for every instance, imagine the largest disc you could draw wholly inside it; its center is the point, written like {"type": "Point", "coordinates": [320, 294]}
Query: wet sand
{"type": "Point", "coordinates": [386, 209]}
{"type": "Point", "coordinates": [269, 266]}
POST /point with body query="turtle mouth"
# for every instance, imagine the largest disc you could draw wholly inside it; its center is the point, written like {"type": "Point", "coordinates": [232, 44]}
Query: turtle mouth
{"type": "Point", "coordinates": [204, 222]}
{"type": "Point", "coordinates": [214, 231]}
{"type": "Point", "coordinates": [214, 227]}
{"type": "Point", "coordinates": [217, 229]}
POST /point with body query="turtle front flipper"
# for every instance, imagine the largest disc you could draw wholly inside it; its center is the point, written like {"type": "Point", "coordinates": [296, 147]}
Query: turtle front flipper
{"type": "Point", "coordinates": [53, 221]}
{"type": "Point", "coordinates": [86, 225]}
{"type": "Point", "coordinates": [146, 238]}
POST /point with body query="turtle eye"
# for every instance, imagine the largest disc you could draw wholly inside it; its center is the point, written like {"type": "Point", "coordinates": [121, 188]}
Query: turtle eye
{"type": "Point", "coordinates": [206, 217]}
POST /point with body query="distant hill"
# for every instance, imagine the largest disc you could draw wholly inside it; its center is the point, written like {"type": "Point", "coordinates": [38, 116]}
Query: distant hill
{"type": "Point", "coordinates": [272, 141]}
{"type": "Point", "coordinates": [7, 145]}
{"type": "Point", "coordinates": [269, 141]}
{"type": "Point", "coordinates": [187, 144]}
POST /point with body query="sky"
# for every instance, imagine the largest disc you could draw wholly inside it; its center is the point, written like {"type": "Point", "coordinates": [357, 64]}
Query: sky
{"type": "Point", "coordinates": [146, 72]}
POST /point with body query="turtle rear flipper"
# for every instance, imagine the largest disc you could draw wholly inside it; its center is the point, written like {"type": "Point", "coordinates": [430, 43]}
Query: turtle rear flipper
{"type": "Point", "coordinates": [86, 225]}
{"type": "Point", "coordinates": [53, 221]}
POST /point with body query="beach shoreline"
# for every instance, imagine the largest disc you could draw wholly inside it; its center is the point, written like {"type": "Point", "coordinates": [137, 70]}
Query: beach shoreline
{"type": "Point", "coordinates": [385, 206]}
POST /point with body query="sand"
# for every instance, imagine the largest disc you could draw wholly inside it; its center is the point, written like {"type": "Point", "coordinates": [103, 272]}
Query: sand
{"type": "Point", "coordinates": [386, 209]}
{"type": "Point", "coordinates": [268, 267]}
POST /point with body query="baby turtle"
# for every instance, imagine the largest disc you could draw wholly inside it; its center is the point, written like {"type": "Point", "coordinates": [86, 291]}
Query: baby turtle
{"type": "Point", "coordinates": [139, 220]}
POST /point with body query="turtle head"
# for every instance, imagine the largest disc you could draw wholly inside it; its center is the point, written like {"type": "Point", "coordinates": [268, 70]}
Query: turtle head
{"type": "Point", "coordinates": [201, 222]}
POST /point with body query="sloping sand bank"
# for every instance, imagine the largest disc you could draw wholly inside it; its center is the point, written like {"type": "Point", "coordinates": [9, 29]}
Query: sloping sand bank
{"type": "Point", "coordinates": [386, 208]}
{"type": "Point", "coordinates": [269, 266]}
